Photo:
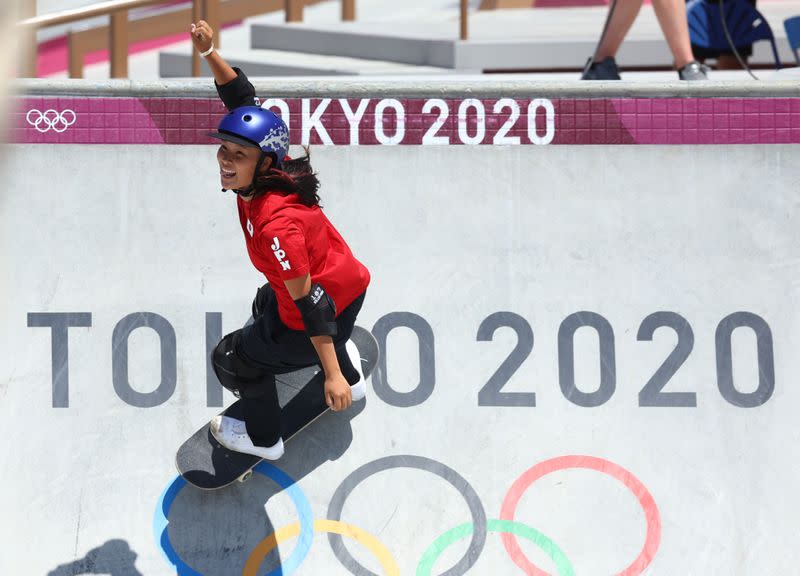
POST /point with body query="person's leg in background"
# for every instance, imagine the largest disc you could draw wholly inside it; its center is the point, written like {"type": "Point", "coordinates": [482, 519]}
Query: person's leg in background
{"type": "Point", "coordinates": [671, 15]}
{"type": "Point", "coordinates": [622, 18]}
{"type": "Point", "coordinates": [603, 66]}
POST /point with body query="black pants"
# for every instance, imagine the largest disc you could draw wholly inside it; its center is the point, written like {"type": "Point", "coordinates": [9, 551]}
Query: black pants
{"type": "Point", "coordinates": [276, 349]}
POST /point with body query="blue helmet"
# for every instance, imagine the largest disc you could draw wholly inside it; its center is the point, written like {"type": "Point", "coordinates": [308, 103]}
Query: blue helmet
{"type": "Point", "coordinates": [257, 127]}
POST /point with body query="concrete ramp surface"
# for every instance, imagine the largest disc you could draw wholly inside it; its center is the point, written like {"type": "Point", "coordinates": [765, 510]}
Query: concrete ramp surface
{"type": "Point", "coordinates": [588, 348]}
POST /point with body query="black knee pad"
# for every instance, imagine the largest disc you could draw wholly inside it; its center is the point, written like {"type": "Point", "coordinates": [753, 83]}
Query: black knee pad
{"type": "Point", "coordinates": [234, 372]}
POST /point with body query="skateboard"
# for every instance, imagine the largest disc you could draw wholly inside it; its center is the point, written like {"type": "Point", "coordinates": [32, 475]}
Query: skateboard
{"type": "Point", "coordinates": [206, 464]}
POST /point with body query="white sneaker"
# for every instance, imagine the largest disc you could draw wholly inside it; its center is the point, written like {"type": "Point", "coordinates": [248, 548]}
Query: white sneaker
{"type": "Point", "coordinates": [232, 434]}
{"type": "Point", "coordinates": [358, 390]}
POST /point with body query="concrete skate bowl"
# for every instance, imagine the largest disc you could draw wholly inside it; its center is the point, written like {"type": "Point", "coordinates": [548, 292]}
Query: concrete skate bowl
{"type": "Point", "coordinates": [585, 303]}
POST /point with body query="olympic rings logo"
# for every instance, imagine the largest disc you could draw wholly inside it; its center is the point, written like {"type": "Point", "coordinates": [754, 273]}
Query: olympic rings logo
{"type": "Point", "coordinates": [51, 120]}
{"type": "Point", "coordinates": [477, 530]}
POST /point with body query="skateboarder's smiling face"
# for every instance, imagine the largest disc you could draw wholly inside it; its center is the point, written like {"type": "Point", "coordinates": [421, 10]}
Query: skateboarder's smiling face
{"type": "Point", "coordinates": [237, 164]}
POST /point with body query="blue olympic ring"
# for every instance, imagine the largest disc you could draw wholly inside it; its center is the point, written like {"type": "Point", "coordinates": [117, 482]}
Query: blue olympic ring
{"type": "Point", "coordinates": [286, 482]}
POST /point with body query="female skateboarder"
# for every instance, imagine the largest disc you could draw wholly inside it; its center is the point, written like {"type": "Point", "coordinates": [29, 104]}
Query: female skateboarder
{"type": "Point", "coordinates": [305, 314]}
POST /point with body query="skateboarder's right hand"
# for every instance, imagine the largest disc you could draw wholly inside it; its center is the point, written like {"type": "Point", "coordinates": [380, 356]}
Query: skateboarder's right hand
{"type": "Point", "coordinates": [337, 393]}
{"type": "Point", "coordinates": [202, 35]}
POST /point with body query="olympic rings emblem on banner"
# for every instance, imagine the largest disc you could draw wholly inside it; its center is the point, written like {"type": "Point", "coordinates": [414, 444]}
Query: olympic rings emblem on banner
{"type": "Point", "coordinates": [51, 120]}
{"type": "Point", "coordinates": [477, 529]}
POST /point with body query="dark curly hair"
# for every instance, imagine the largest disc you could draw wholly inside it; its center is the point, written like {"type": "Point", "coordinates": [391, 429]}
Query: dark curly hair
{"type": "Point", "coordinates": [295, 176]}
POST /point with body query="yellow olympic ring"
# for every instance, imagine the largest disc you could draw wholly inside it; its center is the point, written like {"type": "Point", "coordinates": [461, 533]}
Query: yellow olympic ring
{"type": "Point", "coordinates": [374, 545]}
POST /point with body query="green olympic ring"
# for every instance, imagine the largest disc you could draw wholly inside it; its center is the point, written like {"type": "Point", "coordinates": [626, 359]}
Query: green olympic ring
{"type": "Point", "coordinates": [563, 565]}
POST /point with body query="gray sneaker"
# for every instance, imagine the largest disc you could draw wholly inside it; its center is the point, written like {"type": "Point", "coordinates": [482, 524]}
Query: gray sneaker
{"type": "Point", "coordinates": [603, 70]}
{"type": "Point", "coordinates": [694, 71]}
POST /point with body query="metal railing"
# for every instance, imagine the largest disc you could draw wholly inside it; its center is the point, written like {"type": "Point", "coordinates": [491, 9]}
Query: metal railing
{"type": "Point", "coordinates": [122, 31]}
{"type": "Point", "coordinates": [118, 31]}
{"type": "Point", "coordinates": [118, 35]}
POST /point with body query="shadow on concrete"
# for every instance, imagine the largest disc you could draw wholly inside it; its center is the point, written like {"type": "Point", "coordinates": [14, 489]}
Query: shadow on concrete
{"type": "Point", "coordinates": [214, 532]}
{"type": "Point", "coordinates": [115, 558]}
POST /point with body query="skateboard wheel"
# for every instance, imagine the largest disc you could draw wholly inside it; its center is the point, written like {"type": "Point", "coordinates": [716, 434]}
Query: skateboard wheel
{"type": "Point", "coordinates": [246, 476]}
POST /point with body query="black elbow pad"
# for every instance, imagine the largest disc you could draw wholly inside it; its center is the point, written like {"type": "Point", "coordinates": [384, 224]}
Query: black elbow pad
{"type": "Point", "coordinates": [238, 92]}
{"type": "Point", "coordinates": [318, 312]}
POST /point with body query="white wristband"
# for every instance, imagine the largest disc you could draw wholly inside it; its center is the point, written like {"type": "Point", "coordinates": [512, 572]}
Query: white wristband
{"type": "Point", "coordinates": [207, 52]}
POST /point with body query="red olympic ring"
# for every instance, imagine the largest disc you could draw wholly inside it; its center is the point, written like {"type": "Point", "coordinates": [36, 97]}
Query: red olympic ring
{"type": "Point", "coordinates": [652, 516]}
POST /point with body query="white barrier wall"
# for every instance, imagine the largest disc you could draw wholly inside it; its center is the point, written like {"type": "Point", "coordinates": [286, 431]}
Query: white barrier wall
{"type": "Point", "coordinates": [598, 343]}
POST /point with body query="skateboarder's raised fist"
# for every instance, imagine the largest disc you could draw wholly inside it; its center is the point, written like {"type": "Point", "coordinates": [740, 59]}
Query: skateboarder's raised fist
{"type": "Point", "coordinates": [202, 36]}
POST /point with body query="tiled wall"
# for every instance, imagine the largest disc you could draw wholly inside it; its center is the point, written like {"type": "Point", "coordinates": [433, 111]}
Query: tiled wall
{"type": "Point", "coordinates": [421, 121]}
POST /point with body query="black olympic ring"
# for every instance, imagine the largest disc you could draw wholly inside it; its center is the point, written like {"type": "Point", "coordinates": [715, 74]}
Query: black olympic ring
{"type": "Point", "coordinates": [55, 123]}
{"type": "Point", "coordinates": [420, 463]}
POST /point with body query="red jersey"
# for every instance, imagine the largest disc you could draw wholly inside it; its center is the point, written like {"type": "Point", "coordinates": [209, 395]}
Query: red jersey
{"type": "Point", "coordinates": [286, 239]}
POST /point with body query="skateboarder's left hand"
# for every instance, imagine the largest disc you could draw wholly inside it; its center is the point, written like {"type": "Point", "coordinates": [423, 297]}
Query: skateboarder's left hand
{"type": "Point", "coordinates": [337, 392]}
